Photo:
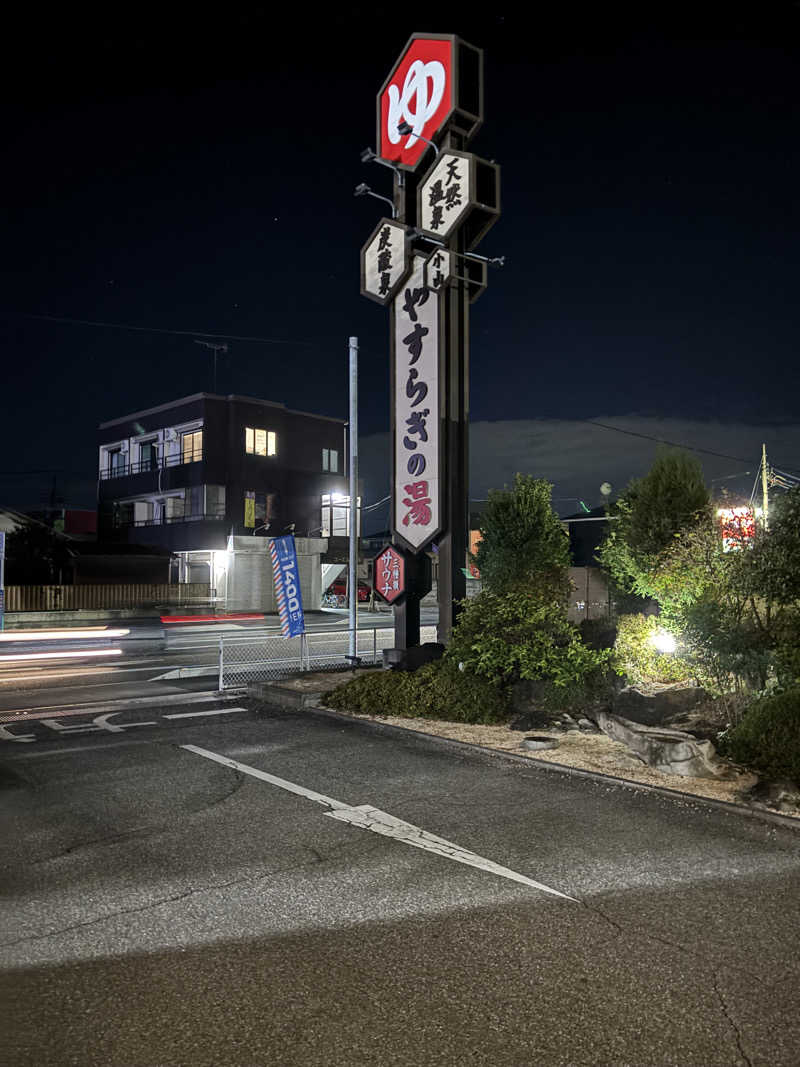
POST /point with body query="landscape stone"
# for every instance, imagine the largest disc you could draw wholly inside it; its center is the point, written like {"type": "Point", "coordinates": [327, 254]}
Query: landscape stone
{"type": "Point", "coordinates": [668, 751]}
{"type": "Point", "coordinates": [655, 704]}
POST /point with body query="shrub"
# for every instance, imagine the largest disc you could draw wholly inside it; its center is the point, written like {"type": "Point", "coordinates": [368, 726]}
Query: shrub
{"type": "Point", "coordinates": [768, 737]}
{"type": "Point", "coordinates": [637, 657]}
{"type": "Point", "coordinates": [513, 636]}
{"type": "Point", "coordinates": [438, 691]}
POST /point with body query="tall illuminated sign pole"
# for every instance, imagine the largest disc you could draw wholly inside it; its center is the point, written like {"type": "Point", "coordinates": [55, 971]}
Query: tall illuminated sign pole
{"type": "Point", "coordinates": [445, 199]}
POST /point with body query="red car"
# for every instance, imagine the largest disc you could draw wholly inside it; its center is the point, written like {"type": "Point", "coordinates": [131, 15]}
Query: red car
{"type": "Point", "coordinates": [339, 590]}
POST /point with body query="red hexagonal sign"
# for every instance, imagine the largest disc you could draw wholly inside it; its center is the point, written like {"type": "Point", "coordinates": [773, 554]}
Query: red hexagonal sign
{"type": "Point", "coordinates": [389, 575]}
{"type": "Point", "coordinates": [436, 79]}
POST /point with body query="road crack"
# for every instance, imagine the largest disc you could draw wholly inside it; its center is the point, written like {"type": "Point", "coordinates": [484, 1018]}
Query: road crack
{"type": "Point", "coordinates": [699, 958]}
{"type": "Point", "coordinates": [732, 1022]}
{"type": "Point", "coordinates": [176, 897]}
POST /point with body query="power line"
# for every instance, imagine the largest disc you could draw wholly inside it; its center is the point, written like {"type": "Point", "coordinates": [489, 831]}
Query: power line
{"type": "Point", "coordinates": [664, 441]}
{"type": "Point", "coordinates": [155, 329]}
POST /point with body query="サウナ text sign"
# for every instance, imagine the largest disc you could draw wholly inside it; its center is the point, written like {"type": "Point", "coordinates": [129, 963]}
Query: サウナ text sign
{"type": "Point", "coordinates": [417, 508]}
{"type": "Point", "coordinates": [390, 575]}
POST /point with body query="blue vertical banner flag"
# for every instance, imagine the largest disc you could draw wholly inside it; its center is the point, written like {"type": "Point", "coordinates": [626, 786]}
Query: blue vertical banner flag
{"type": "Point", "coordinates": [287, 585]}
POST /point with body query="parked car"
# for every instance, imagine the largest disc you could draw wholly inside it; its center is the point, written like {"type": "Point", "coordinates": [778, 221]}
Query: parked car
{"type": "Point", "coordinates": [339, 590]}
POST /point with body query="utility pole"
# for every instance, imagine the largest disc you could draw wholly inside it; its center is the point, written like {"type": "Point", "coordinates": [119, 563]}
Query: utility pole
{"type": "Point", "coordinates": [216, 349]}
{"type": "Point", "coordinates": [353, 460]}
{"type": "Point", "coordinates": [764, 493]}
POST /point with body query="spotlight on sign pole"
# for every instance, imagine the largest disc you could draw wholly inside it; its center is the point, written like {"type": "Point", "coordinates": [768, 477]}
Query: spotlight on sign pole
{"type": "Point", "coordinates": [369, 155]}
{"type": "Point", "coordinates": [405, 128]}
{"type": "Point", "coordinates": [364, 190]}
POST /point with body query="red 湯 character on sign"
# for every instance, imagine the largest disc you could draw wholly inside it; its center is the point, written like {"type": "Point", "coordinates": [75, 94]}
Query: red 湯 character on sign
{"type": "Point", "coordinates": [418, 502]}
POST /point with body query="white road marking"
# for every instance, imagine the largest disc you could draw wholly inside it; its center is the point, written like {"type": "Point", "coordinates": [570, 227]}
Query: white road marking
{"type": "Point", "coordinates": [25, 714]}
{"type": "Point", "coordinates": [206, 671]}
{"type": "Point", "coordinates": [380, 822]}
{"type": "Point", "coordinates": [198, 714]}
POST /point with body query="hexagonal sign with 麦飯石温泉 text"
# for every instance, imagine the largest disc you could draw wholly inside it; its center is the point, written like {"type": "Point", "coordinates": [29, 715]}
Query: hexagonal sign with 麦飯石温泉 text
{"type": "Point", "coordinates": [385, 261]}
{"type": "Point", "coordinates": [459, 190]}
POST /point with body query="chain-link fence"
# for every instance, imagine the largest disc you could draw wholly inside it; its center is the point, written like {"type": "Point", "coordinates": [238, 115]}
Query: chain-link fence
{"type": "Point", "coordinates": [243, 660]}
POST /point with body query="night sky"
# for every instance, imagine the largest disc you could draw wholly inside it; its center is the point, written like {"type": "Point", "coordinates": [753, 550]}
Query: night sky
{"type": "Point", "coordinates": [196, 175]}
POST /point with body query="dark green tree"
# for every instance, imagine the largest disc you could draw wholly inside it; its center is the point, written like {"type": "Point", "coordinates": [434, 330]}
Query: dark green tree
{"type": "Point", "coordinates": [36, 555]}
{"type": "Point", "coordinates": [650, 516]}
{"type": "Point", "coordinates": [523, 545]}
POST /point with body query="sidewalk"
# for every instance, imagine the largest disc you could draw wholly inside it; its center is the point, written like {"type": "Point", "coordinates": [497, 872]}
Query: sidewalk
{"type": "Point", "coordinates": [595, 755]}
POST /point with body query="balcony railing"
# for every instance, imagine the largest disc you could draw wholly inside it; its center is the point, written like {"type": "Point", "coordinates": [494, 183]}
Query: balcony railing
{"type": "Point", "coordinates": [122, 470]}
{"type": "Point", "coordinates": [167, 520]}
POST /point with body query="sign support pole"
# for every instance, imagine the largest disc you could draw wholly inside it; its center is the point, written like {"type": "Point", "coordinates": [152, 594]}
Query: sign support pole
{"type": "Point", "coordinates": [452, 586]}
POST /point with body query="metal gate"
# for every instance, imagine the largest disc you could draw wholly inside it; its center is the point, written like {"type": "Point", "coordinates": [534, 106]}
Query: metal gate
{"type": "Point", "coordinates": [263, 657]}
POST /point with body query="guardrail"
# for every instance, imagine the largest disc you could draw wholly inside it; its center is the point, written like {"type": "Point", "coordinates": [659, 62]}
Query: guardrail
{"type": "Point", "coordinates": [267, 657]}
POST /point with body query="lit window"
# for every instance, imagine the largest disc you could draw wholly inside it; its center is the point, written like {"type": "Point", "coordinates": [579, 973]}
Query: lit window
{"type": "Point", "coordinates": [336, 515]}
{"type": "Point", "coordinates": [326, 452]}
{"type": "Point", "coordinates": [260, 442]}
{"type": "Point", "coordinates": [192, 446]}
{"type": "Point", "coordinates": [330, 460]}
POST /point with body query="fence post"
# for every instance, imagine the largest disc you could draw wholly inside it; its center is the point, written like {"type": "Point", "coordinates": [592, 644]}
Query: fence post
{"type": "Point", "coordinates": [374, 644]}
{"type": "Point", "coordinates": [221, 654]}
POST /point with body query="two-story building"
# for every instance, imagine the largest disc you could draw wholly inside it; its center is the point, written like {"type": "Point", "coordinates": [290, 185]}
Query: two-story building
{"type": "Point", "coordinates": [189, 475]}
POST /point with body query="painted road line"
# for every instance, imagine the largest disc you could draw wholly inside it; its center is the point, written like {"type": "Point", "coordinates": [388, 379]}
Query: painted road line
{"type": "Point", "coordinates": [200, 714]}
{"type": "Point", "coordinates": [365, 817]}
{"type": "Point", "coordinates": [29, 714]}
{"type": "Point", "coordinates": [209, 670]}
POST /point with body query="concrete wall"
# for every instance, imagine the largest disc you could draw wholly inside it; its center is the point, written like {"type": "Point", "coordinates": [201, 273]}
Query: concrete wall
{"type": "Point", "coordinates": [589, 599]}
{"type": "Point", "coordinates": [250, 584]}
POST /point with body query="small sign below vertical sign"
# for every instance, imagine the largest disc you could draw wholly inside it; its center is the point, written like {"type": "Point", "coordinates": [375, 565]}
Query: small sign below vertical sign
{"type": "Point", "coordinates": [390, 575]}
{"type": "Point", "coordinates": [287, 585]}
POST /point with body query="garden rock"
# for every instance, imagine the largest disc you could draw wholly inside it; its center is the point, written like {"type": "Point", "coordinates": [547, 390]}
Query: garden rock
{"type": "Point", "coordinates": [655, 704]}
{"type": "Point", "coordinates": [668, 751]}
{"type": "Point", "coordinates": [782, 795]}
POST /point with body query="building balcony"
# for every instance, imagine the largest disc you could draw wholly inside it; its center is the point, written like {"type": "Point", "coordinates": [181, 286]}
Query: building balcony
{"type": "Point", "coordinates": [124, 470]}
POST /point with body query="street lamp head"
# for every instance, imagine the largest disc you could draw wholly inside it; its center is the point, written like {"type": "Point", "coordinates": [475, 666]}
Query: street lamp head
{"type": "Point", "coordinates": [368, 155]}
{"type": "Point", "coordinates": [404, 127]}
{"type": "Point", "coordinates": [362, 190]}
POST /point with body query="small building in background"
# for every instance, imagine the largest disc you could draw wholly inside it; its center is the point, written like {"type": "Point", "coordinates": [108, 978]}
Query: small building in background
{"type": "Point", "coordinates": [187, 475]}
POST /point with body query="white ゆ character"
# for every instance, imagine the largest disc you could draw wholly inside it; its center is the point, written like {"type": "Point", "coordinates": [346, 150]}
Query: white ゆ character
{"type": "Point", "coordinates": [416, 84]}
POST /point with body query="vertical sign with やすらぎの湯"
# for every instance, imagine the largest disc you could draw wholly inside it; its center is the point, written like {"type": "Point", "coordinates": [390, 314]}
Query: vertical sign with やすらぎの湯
{"type": "Point", "coordinates": [417, 505]}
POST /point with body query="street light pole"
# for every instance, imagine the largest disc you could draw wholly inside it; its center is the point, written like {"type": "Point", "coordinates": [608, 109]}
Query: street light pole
{"type": "Point", "coordinates": [353, 459]}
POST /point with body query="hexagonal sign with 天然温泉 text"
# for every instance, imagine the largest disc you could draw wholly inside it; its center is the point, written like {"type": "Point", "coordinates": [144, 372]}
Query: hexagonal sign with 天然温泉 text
{"type": "Point", "coordinates": [460, 189]}
{"type": "Point", "coordinates": [385, 261]}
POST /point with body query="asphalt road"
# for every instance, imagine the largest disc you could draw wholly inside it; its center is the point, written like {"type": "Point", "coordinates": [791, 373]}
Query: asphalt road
{"type": "Point", "coordinates": [332, 895]}
{"type": "Point", "coordinates": [150, 660]}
